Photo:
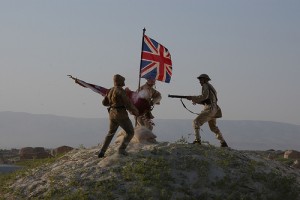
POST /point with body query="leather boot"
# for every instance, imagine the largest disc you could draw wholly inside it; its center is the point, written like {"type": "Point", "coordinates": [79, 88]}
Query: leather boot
{"type": "Point", "coordinates": [197, 136]}
{"type": "Point", "coordinates": [224, 144]}
{"type": "Point", "coordinates": [101, 154]}
{"type": "Point", "coordinates": [197, 142]}
{"type": "Point", "coordinates": [222, 141]}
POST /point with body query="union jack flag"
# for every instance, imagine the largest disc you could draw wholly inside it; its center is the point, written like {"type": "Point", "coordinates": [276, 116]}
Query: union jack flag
{"type": "Point", "coordinates": [156, 61]}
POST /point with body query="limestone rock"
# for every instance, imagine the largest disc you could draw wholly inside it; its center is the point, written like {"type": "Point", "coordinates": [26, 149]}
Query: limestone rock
{"type": "Point", "coordinates": [141, 135]}
{"type": "Point", "coordinates": [296, 164]}
{"type": "Point", "coordinates": [292, 154]}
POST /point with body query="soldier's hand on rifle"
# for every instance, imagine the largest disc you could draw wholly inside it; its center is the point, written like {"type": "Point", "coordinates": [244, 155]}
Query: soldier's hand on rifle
{"type": "Point", "coordinates": [189, 98]}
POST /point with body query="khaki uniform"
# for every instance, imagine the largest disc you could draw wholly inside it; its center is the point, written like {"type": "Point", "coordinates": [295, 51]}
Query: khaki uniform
{"type": "Point", "coordinates": [210, 112]}
{"type": "Point", "coordinates": [118, 104]}
{"type": "Point", "coordinates": [153, 97]}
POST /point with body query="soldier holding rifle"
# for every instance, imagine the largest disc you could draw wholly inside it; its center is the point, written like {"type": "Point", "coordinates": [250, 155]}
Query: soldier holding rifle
{"type": "Point", "coordinates": [210, 112]}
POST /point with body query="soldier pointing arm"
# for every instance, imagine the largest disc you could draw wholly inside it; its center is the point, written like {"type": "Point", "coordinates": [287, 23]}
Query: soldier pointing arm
{"type": "Point", "coordinates": [118, 103]}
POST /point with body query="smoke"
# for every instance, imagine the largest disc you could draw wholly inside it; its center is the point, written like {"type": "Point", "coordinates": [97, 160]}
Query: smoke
{"type": "Point", "coordinates": [143, 94]}
{"type": "Point", "coordinates": [141, 135]}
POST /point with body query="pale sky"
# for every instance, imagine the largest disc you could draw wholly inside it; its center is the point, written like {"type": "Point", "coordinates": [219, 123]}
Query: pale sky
{"type": "Point", "coordinates": [250, 49]}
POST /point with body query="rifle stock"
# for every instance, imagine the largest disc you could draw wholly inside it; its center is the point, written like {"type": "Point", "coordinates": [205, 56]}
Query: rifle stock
{"type": "Point", "coordinates": [178, 96]}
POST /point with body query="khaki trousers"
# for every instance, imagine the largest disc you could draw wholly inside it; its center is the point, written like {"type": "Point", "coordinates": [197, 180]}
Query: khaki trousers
{"type": "Point", "coordinates": [207, 115]}
{"type": "Point", "coordinates": [114, 124]}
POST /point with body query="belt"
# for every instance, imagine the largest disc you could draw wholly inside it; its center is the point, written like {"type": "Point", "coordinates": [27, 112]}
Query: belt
{"type": "Point", "coordinates": [118, 107]}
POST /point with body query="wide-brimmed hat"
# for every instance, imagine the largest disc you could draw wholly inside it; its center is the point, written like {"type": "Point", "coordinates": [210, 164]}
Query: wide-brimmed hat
{"type": "Point", "coordinates": [204, 76]}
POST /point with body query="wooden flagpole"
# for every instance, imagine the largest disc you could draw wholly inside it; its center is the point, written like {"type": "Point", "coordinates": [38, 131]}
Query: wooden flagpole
{"type": "Point", "coordinates": [144, 30]}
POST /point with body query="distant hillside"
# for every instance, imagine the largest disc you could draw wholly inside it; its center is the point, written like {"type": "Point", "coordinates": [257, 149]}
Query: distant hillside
{"type": "Point", "coordinates": [158, 171]}
{"type": "Point", "coordinates": [240, 134]}
{"type": "Point", "coordinates": [23, 129]}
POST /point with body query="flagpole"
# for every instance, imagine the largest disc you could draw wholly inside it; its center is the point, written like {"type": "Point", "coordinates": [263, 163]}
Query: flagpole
{"type": "Point", "coordinates": [144, 30]}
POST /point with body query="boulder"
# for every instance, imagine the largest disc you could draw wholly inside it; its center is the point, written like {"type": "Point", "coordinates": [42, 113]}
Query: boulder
{"type": "Point", "coordinates": [61, 150]}
{"type": "Point", "coordinates": [296, 164]}
{"type": "Point", "coordinates": [26, 153]}
{"type": "Point", "coordinates": [33, 153]}
{"type": "Point", "coordinates": [41, 153]}
{"type": "Point", "coordinates": [292, 154]}
{"type": "Point", "coordinates": [141, 135]}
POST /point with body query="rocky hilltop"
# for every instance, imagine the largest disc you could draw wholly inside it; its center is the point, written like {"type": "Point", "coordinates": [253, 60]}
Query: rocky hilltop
{"type": "Point", "coordinates": [160, 171]}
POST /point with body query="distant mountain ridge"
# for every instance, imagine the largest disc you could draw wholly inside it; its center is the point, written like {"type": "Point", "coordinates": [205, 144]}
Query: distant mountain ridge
{"type": "Point", "coordinates": [23, 129]}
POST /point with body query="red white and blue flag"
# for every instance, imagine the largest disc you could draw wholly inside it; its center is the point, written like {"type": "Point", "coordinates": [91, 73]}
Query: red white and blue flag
{"type": "Point", "coordinates": [139, 101]}
{"type": "Point", "coordinates": [156, 61]}
{"type": "Point", "coordinates": [96, 88]}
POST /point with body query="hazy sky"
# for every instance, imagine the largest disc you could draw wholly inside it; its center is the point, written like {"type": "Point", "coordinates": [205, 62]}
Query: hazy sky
{"type": "Point", "coordinates": [250, 49]}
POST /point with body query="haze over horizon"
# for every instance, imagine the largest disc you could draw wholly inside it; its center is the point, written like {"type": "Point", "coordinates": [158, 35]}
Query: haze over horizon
{"type": "Point", "coordinates": [50, 131]}
{"type": "Point", "coordinates": [250, 49]}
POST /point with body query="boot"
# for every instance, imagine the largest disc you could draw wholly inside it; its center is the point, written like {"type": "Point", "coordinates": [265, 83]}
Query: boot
{"type": "Point", "coordinates": [197, 135]}
{"type": "Point", "coordinates": [224, 144]}
{"type": "Point", "coordinates": [101, 154]}
{"type": "Point", "coordinates": [221, 139]}
{"type": "Point", "coordinates": [197, 142]}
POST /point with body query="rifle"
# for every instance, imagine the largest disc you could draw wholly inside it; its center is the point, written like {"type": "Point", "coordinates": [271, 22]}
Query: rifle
{"type": "Point", "coordinates": [182, 97]}
{"type": "Point", "coordinates": [178, 96]}
{"type": "Point", "coordinates": [206, 101]}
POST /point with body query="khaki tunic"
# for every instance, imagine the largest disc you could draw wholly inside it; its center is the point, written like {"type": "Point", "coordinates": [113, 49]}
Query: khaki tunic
{"type": "Point", "coordinates": [211, 108]}
{"type": "Point", "coordinates": [118, 103]}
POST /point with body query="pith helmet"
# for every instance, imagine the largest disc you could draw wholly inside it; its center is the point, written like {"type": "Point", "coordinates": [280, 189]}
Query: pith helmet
{"type": "Point", "coordinates": [119, 80]}
{"type": "Point", "coordinates": [204, 76]}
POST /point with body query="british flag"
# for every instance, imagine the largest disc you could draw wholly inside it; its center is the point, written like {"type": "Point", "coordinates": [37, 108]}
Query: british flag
{"type": "Point", "coordinates": [156, 61]}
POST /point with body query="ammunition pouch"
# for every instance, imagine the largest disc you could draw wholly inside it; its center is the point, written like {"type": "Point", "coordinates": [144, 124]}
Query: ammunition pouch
{"type": "Point", "coordinates": [219, 113]}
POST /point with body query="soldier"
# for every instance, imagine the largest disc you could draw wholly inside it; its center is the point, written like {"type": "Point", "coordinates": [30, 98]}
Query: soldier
{"type": "Point", "coordinates": [118, 104]}
{"type": "Point", "coordinates": [153, 97]}
{"type": "Point", "coordinates": [211, 110]}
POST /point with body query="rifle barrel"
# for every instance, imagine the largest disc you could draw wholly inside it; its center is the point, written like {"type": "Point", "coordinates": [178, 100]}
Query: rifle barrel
{"type": "Point", "coordinates": [177, 96]}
